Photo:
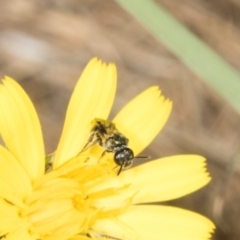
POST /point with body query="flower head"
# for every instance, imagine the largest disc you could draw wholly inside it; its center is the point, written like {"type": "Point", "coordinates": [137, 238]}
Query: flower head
{"type": "Point", "coordinates": [83, 196]}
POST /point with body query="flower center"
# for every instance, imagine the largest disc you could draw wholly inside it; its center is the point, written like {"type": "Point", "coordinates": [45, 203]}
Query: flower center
{"type": "Point", "coordinates": [61, 205]}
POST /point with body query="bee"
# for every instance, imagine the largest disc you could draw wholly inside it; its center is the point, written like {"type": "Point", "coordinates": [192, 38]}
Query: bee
{"type": "Point", "coordinates": [107, 136]}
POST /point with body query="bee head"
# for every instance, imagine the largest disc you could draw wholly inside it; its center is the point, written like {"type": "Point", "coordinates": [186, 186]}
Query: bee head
{"type": "Point", "coordinates": [123, 157]}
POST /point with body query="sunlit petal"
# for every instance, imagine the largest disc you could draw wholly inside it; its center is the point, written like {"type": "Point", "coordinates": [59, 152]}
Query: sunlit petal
{"type": "Point", "coordinates": [15, 185]}
{"type": "Point", "coordinates": [167, 178]}
{"type": "Point", "coordinates": [20, 128]}
{"type": "Point", "coordinates": [143, 117]}
{"type": "Point", "coordinates": [22, 233]}
{"type": "Point", "coordinates": [161, 180]}
{"type": "Point", "coordinates": [9, 217]}
{"type": "Point", "coordinates": [92, 98]}
{"type": "Point", "coordinates": [156, 222]}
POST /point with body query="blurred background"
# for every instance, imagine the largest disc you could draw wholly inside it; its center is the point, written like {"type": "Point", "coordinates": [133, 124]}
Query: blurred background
{"type": "Point", "coordinates": [45, 45]}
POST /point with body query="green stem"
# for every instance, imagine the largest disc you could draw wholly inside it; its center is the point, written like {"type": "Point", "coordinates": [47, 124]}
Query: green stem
{"type": "Point", "coordinates": [199, 57]}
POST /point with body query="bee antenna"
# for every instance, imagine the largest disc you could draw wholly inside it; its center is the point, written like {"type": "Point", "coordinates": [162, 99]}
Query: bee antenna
{"type": "Point", "coordinates": [143, 157]}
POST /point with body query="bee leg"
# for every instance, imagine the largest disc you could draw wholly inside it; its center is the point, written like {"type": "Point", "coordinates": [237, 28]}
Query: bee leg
{"type": "Point", "coordinates": [103, 153]}
{"type": "Point", "coordinates": [96, 235]}
{"type": "Point", "coordinates": [90, 141]}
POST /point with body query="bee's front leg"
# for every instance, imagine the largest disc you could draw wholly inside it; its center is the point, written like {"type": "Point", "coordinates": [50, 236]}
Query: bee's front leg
{"type": "Point", "coordinates": [91, 141]}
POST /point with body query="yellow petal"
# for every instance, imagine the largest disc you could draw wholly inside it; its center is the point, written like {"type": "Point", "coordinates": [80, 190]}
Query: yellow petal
{"type": "Point", "coordinates": [161, 180]}
{"type": "Point", "coordinates": [157, 222]}
{"type": "Point", "coordinates": [15, 186]}
{"type": "Point", "coordinates": [20, 128]}
{"type": "Point", "coordinates": [142, 118]}
{"type": "Point", "coordinates": [92, 98]}
{"type": "Point", "coordinates": [22, 233]}
{"type": "Point", "coordinates": [9, 217]}
{"type": "Point", "coordinates": [167, 178]}
{"type": "Point", "coordinates": [12, 225]}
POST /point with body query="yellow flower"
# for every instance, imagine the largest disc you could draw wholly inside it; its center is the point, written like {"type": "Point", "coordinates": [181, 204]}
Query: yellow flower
{"type": "Point", "coordinates": [83, 198]}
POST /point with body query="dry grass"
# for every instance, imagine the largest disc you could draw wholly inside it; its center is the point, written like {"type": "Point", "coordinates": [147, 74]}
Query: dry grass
{"type": "Point", "coordinates": [45, 45]}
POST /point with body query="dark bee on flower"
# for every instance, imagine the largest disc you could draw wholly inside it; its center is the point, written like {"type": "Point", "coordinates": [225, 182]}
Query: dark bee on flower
{"type": "Point", "coordinates": [107, 136]}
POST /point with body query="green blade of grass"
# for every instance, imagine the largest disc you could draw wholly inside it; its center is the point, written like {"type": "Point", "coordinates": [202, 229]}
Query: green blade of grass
{"type": "Point", "coordinates": [199, 57]}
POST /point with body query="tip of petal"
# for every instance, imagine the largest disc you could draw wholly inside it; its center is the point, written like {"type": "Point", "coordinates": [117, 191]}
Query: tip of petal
{"type": "Point", "coordinates": [7, 79]}
{"type": "Point", "coordinates": [96, 61]}
{"type": "Point", "coordinates": [142, 124]}
{"type": "Point", "coordinates": [168, 178]}
{"type": "Point", "coordinates": [19, 118]}
{"type": "Point", "coordinates": [92, 98]}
